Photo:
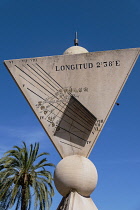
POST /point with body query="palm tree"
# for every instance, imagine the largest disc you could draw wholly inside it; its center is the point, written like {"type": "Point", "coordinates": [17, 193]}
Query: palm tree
{"type": "Point", "coordinates": [23, 178]}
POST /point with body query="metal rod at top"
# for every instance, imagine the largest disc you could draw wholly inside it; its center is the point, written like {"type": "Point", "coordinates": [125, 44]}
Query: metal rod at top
{"type": "Point", "coordinates": [76, 39]}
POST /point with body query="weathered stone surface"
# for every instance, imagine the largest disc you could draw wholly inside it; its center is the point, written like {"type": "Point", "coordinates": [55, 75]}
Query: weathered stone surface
{"type": "Point", "coordinates": [75, 173]}
{"type": "Point", "coordinates": [73, 95]}
{"type": "Point", "coordinates": [75, 201]}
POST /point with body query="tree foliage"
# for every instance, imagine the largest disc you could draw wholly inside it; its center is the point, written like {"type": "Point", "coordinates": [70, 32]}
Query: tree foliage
{"type": "Point", "coordinates": [24, 178]}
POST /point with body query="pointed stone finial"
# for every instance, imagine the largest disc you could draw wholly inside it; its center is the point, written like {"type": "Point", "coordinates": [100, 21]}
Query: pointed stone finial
{"type": "Point", "coordinates": [76, 39]}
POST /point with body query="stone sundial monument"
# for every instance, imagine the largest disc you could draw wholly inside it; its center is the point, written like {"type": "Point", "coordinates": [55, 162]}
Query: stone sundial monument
{"type": "Point", "coordinates": [72, 96]}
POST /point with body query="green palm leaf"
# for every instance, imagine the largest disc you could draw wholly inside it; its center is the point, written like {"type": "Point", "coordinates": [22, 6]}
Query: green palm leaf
{"type": "Point", "coordinates": [21, 178]}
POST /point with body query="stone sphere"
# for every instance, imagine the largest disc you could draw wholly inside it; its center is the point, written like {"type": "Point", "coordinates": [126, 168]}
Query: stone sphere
{"type": "Point", "coordinates": [75, 50]}
{"type": "Point", "coordinates": [75, 173]}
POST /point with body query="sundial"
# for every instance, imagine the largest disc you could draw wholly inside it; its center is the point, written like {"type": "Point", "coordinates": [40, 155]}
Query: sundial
{"type": "Point", "coordinates": [73, 94]}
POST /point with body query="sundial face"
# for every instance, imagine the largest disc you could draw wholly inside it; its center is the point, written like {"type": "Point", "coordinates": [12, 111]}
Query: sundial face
{"type": "Point", "coordinates": [73, 95]}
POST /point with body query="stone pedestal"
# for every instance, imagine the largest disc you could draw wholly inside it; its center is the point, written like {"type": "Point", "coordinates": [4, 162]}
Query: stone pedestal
{"type": "Point", "coordinates": [75, 201]}
{"type": "Point", "coordinates": [75, 178]}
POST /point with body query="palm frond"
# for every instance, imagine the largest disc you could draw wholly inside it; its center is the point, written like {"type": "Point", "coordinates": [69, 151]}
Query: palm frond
{"type": "Point", "coordinates": [19, 170]}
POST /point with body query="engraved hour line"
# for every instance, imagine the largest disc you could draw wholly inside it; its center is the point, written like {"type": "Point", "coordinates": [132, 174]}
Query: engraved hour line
{"type": "Point", "coordinates": [70, 145]}
{"type": "Point", "coordinates": [32, 85]}
{"type": "Point", "coordinates": [83, 111]}
{"type": "Point", "coordinates": [60, 111]}
{"type": "Point", "coordinates": [34, 80]}
{"type": "Point", "coordinates": [58, 104]}
{"type": "Point", "coordinates": [56, 115]}
{"type": "Point", "coordinates": [52, 86]}
{"type": "Point", "coordinates": [52, 78]}
{"type": "Point", "coordinates": [38, 78]}
{"type": "Point", "coordinates": [84, 120]}
{"type": "Point", "coordinates": [73, 134]}
{"type": "Point", "coordinates": [42, 77]}
{"type": "Point", "coordinates": [41, 80]}
{"type": "Point", "coordinates": [36, 88]}
{"type": "Point", "coordinates": [70, 129]}
{"type": "Point", "coordinates": [60, 117]}
{"type": "Point", "coordinates": [53, 113]}
{"type": "Point", "coordinates": [52, 94]}
{"type": "Point", "coordinates": [48, 77]}
{"type": "Point", "coordinates": [76, 102]}
{"type": "Point", "coordinates": [67, 122]}
{"type": "Point", "coordinates": [35, 93]}
{"type": "Point", "coordinates": [74, 114]}
{"type": "Point", "coordinates": [85, 114]}
{"type": "Point", "coordinates": [39, 90]}
{"type": "Point", "coordinates": [72, 125]}
{"type": "Point", "coordinates": [82, 108]}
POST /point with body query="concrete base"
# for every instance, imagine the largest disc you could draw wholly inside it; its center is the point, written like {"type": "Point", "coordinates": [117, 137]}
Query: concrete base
{"type": "Point", "coordinates": [75, 201]}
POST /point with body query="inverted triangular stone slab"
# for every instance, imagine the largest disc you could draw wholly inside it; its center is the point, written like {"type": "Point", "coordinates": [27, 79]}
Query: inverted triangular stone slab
{"type": "Point", "coordinates": [73, 95]}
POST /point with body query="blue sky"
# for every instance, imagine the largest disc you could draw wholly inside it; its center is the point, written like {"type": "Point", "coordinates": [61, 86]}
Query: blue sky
{"type": "Point", "coordinates": [41, 28]}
